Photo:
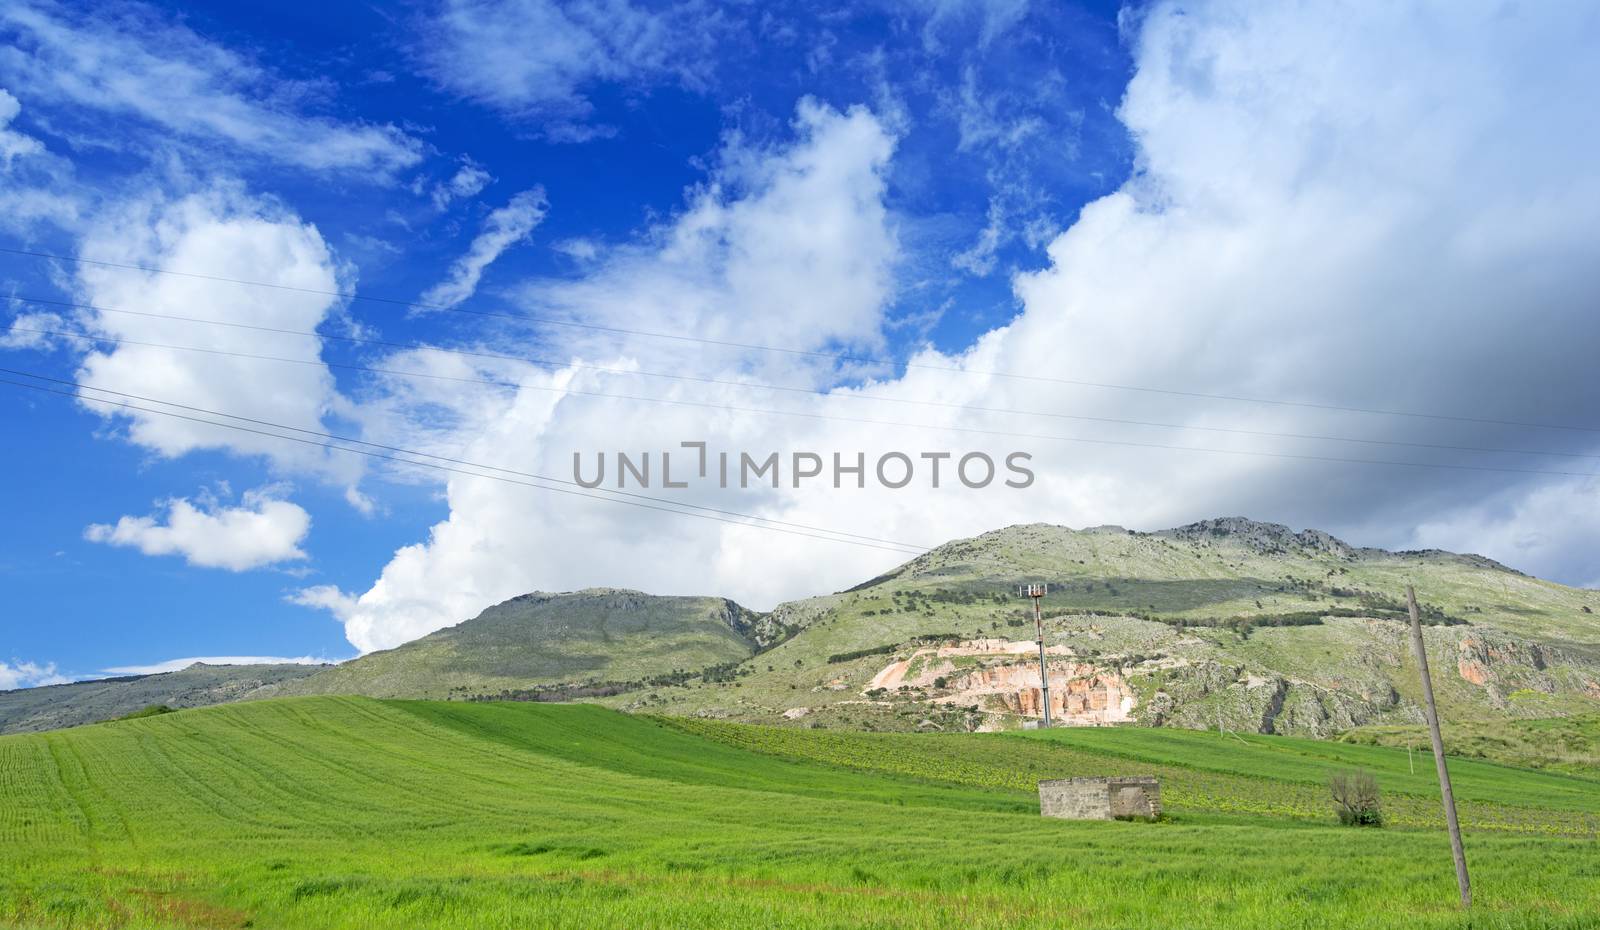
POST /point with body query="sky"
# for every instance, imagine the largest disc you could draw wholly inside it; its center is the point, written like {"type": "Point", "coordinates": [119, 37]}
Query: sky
{"type": "Point", "coordinates": [316, 315]}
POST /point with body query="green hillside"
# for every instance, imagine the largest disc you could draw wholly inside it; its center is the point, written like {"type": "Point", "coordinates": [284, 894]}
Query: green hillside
{"type": "Point", "coordinates": [600, 635]}
{"type": "Point", "coordinates": [1245, 624]}
{"type": "Point", "coordinates": [1250, 627]}
{"type": "Point", "coordinates": [1563, 744]}
{"type": "Point", "coordinates": [30, 709]}
{"type": "Point", "coordinates": [349, 812]}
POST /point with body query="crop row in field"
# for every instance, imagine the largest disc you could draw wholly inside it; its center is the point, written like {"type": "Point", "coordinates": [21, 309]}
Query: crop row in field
{"type": "Point", "coordinates": [1018, 763]}
{"type": "Point", "coordinates": [338, 814]}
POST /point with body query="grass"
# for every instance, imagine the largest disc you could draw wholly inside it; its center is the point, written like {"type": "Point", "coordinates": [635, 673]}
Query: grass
{"type": "Point", "coordinates": [351, 812]}
{"type": "Point", "coordinates": [1562, 744]}
{"type": "Point", "coordinates": [152, 710]}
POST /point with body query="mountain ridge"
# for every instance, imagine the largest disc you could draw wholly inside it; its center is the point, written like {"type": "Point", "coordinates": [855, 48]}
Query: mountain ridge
{"type": "Point", "coordinates": [544, 638]}
{"type": "Point", "coordinates": [1234, 621]}
{"type": "Point", "coordinates": [199, 684]}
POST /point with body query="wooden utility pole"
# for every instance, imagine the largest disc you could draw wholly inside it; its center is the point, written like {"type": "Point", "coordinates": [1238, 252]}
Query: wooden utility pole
{"type": "Point", "coordinates": [1417, 646]}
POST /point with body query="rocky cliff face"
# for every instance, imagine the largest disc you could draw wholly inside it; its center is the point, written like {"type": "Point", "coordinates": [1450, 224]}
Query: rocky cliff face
{"type": "Point", "coordinates": [1002, 677]}
{"type": "Point", "coordinates": [1265, 538]}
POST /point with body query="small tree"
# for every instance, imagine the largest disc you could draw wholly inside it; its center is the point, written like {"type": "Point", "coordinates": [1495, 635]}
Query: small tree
{"type": "Point", "coordinates": [1356, 799]}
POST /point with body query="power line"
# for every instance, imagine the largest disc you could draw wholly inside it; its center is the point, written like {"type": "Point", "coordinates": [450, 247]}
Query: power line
{"type": "Point", "coordinates": [710, 514]}
{"type": "Point", "coordinates": [815, 392]}
{"type": "Point", "coordinates": [832, 356]}
{"type": "Point", "coordinates": [735, 408]}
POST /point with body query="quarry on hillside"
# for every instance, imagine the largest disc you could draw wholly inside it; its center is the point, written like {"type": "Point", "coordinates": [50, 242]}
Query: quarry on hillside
{"type": "Point", "coordinates": [1001, 676]}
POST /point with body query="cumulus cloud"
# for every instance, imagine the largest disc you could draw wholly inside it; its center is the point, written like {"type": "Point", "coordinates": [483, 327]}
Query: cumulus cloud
{"type": "Point", "coordinates": [263, 530]}
{"type": "Point", "coordinates": [790, 244]}
{"type": "Point", "coordinates": [175, 665]}
{"type": "Point", "coordinates": [19, 674]}
{"type": "Point", "coordinates": [503, 228]}
{"type": "Point", "coordinates": [1322, 216]}
{"type": "Point", "coordinates": [127, 59]}
{"type": "Point", "coordinates": [217, 233]}
{"type": "Point", "coordinates": [537, 58]}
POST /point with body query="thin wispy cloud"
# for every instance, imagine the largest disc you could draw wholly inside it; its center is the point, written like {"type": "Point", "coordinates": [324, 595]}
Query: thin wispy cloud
{"type": "Point", "coordinates": [502, 229]}
{"type": "Point", "coordinates": [537, 60]}
{"type": "Point", "coordinates": [129, 60]}
{"type": "Point", "coordinates": [20, 674]}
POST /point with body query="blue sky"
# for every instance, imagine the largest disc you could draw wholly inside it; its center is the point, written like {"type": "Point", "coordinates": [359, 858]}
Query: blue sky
{"type": "Point", "coordinates": [1208, 200]}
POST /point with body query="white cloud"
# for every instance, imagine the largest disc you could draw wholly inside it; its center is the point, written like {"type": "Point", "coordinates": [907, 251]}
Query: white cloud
{"type": "Point", "coordinates": [263, 530]}
{"type": "Point", "coordinates": [468, 180]}
{"type": "Point", "coordinates": [32, 331]}
{"type": "Point", "coordinates": [578, 249]}
{"type": "Point", "coordinates": [324, 597]}
{"type": "Point", "coordinates": [1324, 212]}
{"type": "Point", "coordinates": [536, 58]}
{"type": "Point", "coordinates": [29, 675]}
{"type": "Point", "coordinates": [217, 233]}
{"type": "Point", "coordinates": [979, 258]}
{"type": "Point", "coordinates": [38, 186]}
{"type": "Point", "coordinates": [503, 228]}
{"type": "Point", "coordinates": [791, 244]}
{"type": "Point", "coordinates": [13, 144]}
{"type": "Point", "coordinates": [126, 59]}
{"type": "Point", "coordinates": [175, 665]}
{"type": "Point", "coordinates": [993, 17]}
{"type": "Point", "coordinates": [785, 246]}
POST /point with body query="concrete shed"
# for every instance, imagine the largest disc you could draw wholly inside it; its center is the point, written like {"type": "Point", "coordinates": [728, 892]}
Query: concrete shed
{"type": "Point", "coordinates": [1100, 798]}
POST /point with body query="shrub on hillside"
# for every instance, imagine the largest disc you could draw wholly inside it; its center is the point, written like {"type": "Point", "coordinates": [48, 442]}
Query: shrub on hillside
{"type": "Point", "coordinates": [1356, 799]}
{"type": "Point", "coordinates": [152, 710]}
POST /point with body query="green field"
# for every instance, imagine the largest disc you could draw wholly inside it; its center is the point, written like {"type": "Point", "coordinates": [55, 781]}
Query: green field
{"type": "Point", "coordinates": [352, 812]}
{"type": "Point", "coordinates": [1563, 744]}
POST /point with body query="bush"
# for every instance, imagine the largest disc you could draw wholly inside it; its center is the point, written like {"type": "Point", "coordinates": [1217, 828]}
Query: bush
{"type": "Point", "coordinates": [153, 710]}
{"type": "Point", "coordinates": [838, 657]}
{"type": "Point", "coordinates": [1356, 799]}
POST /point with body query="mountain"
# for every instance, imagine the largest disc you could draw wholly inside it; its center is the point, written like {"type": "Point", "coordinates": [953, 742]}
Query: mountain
{"type": "Point", "coordinates": [54, 706]}
{"type": "Point", "coordinates": [1226, 623]}
{"type": "Point", "coordinates": [605, 639]}
{"type": "Point", "coordinates": [1231, 623]}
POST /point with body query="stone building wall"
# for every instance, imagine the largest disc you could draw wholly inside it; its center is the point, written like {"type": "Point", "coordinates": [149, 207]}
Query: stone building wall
{"type": "Point", "coordinates": [1100, 798]}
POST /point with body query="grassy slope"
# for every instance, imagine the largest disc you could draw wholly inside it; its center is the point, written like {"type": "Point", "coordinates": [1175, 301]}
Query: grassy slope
{"type": "Point", "coordinates": [1563, 744]}
{"type": "Point", "coordinates": [1201, 773]}
{"type": "Point", "coordinates": [592, 635]}
{"type": "Point", "coordinates": [967, 586]}
{"type": "Point", "coordinates": [47, 708]}
{"type": "Point", "coordinates": [348, 812]}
